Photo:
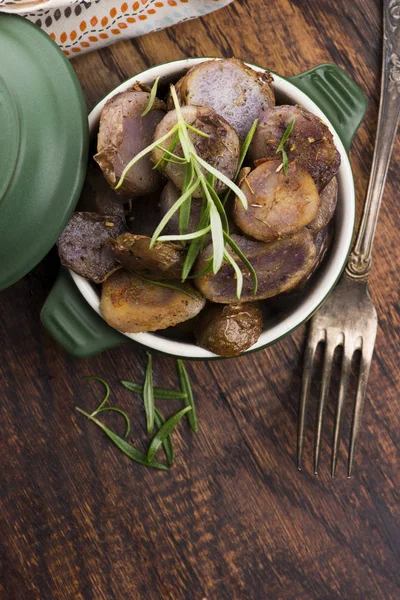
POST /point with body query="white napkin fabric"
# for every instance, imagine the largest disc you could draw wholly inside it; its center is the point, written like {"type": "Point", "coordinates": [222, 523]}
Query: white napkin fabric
{"type": "Point", "coordinates": [84, 26]}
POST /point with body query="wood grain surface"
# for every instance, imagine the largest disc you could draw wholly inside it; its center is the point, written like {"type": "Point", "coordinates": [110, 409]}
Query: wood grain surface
{"type": "Point", "coordinates": [234, 519]}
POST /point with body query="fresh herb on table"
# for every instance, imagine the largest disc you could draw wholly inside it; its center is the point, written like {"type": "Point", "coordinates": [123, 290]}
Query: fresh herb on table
{"type": "Point", "coordinates": [213, 217]}
{"type": "Point", "coordinates": [162, 437]}
{"type": "Point", "coordinates": [281, 149]}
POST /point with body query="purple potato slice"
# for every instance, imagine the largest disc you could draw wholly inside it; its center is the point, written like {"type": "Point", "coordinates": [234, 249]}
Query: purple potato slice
{"type": "Point", "coordinates": [123, 133]}
{"type": "Point", "coordinates": [280, 266]}
{"type": "Point", "coordinates": [83, 245]}
{"type": "Point", "coordinates": [327, 207]}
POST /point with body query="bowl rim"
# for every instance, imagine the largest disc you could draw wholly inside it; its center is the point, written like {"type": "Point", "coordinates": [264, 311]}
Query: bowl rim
{"type": "Point", "coordinates": [343, 234]}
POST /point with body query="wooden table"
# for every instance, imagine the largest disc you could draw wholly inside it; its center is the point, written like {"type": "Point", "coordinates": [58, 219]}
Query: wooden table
{"type": "Point", "coordinates": [234, 520]}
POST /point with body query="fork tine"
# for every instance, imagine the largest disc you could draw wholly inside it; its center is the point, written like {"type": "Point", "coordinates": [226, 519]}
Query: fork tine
{"type": "Point", "coordinates": [326, 379]}
{"type": "Point", "coordinates": [312, 343]}
{"type": "Point", "coordinates": [363, 375]}
{"type": "Point", "coordinates": [344, 381]}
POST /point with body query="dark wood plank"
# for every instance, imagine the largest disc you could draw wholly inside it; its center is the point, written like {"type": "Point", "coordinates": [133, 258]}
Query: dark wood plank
{"type": "Point", "coordinates": [234, 520]}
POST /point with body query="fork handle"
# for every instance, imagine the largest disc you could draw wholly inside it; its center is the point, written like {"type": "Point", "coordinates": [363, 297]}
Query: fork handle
{"type": "Point", "coordinates": [360, 259]}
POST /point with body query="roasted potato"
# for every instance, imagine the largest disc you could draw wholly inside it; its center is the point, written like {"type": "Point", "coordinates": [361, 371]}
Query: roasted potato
{"type": "Point", "coordinates": [123, 133]}
{"type": "Point", "coordinates": [280, 266]}
{"type": "Point", "coordinates": [228, 330]}
{"type": "Point", "coordinates": [327, 207]}
{"type": "Point", "coordinates": [83, 246]}
{"type": "Point", "coordinates": [221, 149]}
{"type": "Point", "coordinates": [162, 262]}
{"type": "Point", "coordinates": [310, 142]}
{"type": "Point", "coordinates": [278, 205]}
{"type": "Point", "coordinates": [231, 88]}
{"type": "Point", "coordinates": [98, 197]}
{"type": "Point", "coordinates": [133, 305]}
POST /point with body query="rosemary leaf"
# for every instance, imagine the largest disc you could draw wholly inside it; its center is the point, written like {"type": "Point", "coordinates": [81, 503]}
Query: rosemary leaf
{"type": "Point", "coordinates": [165, 431]}
{"type": "Point", "coordinates": [244, 259]}
{"type": "Point", "coordinates": [158, 392]}
{"type": "Point", "coordinates": [153, 94]}
{"type": "Point", "coordinates": [189, 236]}
{"type": "Point", "coordinates": [285, 162]}
{"type": "Point", "coordinates": [148, 395]}
{"type": "Point", "coordinates": [238, 273]}
{"type": "Point", "coordinates": [219, 207]}
{"type": "Point", "coordinates": [189, 400]}
{"type": "Point", "coordinates": [196, 245]}
{"type": "Point", "coordinates": [195, 130]}
{"type": "Point", "coordinates": [285, 136]}
{"type": "Point", "coordinates": [167, 443]}
{"type": "Point", "coordinates": [125, 447]}
{"type": "Point", "coordinates": [205, 271]}
{"type": "Point", "coordinates": [217, 235]}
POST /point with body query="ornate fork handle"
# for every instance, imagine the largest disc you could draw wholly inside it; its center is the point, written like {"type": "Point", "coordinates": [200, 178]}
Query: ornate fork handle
{"type": "Point", "coordinates": [360, 259]}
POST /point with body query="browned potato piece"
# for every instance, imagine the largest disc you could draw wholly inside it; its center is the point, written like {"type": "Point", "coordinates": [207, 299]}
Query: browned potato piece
{"type": "Point", "coordinates": [162, 262]}
{"type": "Point", "coordinates": [310, 142]}
{"type": "Point", "coordinates": [232, 89]}
{"type": "Point", "coordinates": [133, 306]}
{"type": "Point", "coordinates": [221, 149]}
{"type": "Point", "coordinates": [123, 133]}
{"type": "Point", "coordinates": [83, 245]}
{"type": "Point", "coordinates": [279, 205]}
{"type": "Point", "coordinates": [280, 266]}
{"type": "Point", "coordinates": [327, 207]}
{"type": "Point", "coordinates": [229, 330]}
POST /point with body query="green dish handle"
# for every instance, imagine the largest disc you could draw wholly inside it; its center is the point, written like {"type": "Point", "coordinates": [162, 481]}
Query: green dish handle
{"type": "Point", "coordinates": [339, 97]}
{"type": "Point", "coordinates": [72, 322]}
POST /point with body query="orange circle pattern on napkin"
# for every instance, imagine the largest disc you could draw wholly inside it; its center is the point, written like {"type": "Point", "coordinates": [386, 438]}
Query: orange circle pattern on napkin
{"type": "Point", "coordinates": [85, 26]}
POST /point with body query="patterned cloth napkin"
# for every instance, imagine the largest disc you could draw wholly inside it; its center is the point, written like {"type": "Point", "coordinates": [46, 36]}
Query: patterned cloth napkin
{"type": "Point", "coordinates": [81, 27]}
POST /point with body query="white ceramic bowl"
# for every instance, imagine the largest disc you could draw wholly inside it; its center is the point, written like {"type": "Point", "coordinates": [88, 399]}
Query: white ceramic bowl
{"type": "Point", "coordinates": [325, 278]}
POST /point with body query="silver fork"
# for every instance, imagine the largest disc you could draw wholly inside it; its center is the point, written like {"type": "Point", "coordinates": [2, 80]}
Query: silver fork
{"type": "Point", "coordinates": [348, 317]}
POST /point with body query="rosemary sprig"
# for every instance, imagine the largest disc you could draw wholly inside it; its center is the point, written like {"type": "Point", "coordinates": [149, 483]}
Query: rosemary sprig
{"type": "Point", "coordinates": [148, 395]}
{"type": "Point", "coordinates": [189, 400]}
{"type": "Point", "coordinates": [164, 431]}
{"type": "Point", "coordinates": [170, 286]}
{"type": "Point", "coordinates": [280, 148]}
{"type": "Point", "coordinates": [153, 94]}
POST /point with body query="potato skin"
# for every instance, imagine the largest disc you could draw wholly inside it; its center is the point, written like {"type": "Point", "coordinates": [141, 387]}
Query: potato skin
{"type": "Point", "coordinates": [83, 245]}
{"type": "Point", "coordinates": [329, 196]}
{"type": "Point", "coordinates": [229, 330]}
{"type": "Point", "coordinates": [310, 142]}
{"type": "Point", "coordinates": [163, 262]}
{"type": "Point", "coordinates": [278, 205]}
{"type": "Point", "coordinates": [97, 196]}
{"type": "Point", "coordinates": [133, 306]}
{"type": "Point", "coordinates": [220, 150]}
{"type": "Point", "coordinates": [280, 266]}
{"type": "Point", "coordinates": [231, 88]}
{"type": "Point", "coordinates": [123, 133]}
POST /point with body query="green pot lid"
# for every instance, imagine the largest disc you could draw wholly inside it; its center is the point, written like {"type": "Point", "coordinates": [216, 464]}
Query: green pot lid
{"type": "Point", "coordinates": [43, 145]}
